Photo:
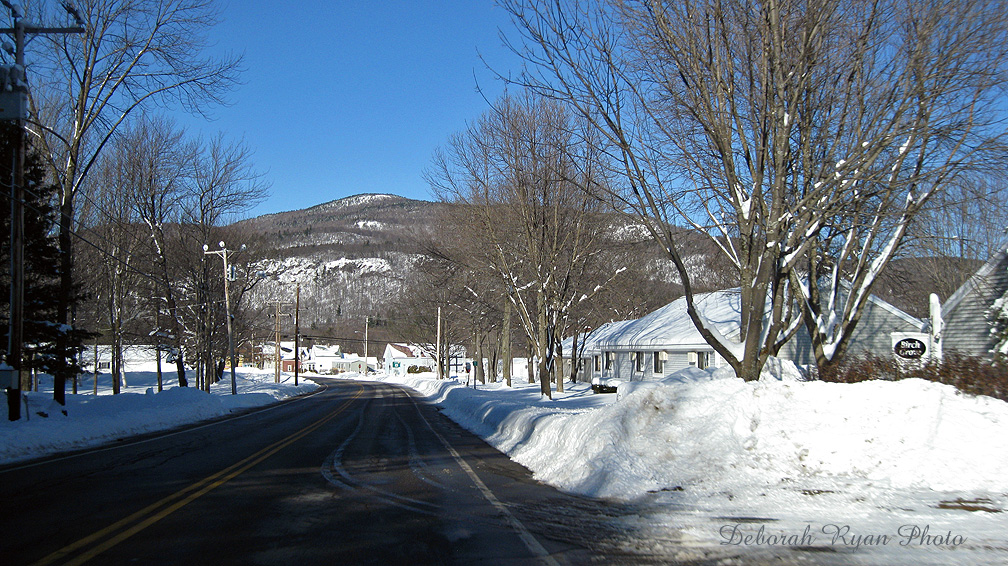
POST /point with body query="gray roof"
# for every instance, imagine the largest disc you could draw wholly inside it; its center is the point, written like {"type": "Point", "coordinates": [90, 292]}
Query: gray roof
{"type": "Point", "coordinates": [967, 328]}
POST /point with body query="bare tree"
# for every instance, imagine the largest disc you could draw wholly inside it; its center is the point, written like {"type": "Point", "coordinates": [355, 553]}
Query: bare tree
{"type": "Point", "coordinates": [120, 260]}
{"type": "Point", "coordinates": [157, 199]}
{"type": "Point", "coordinates": [159, 164]}
{"type": "Point", "coordinates": [802, 138]}
{"type": "Point", "coordinates": [223, 184]}
{"type": "Point", "coordinates": [959, 229]}
{"type": "Point", "coordinates": [518, 175]}
{"type": "Point", "coordinates": [134, 53]}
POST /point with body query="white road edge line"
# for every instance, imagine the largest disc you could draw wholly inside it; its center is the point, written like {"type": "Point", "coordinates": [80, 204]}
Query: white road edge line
{"type": "Point", "coordinates": [523, 533]}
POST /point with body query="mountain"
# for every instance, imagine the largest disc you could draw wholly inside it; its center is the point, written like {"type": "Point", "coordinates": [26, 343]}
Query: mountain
{"type": "Point", "coordinates": [370, 221]}
{"type": "Point", "coordinates": [356, 257]}
{"type": "Point", "coordinates": [353, 257]}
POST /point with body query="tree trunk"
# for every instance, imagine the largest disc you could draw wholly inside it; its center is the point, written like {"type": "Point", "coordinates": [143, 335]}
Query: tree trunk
{"type": "Point", "coordinates": [530, 364]}
{"type": "Point", "coordinates": [62, 369]}
{"type": "Point", "coordinates": [506, 337]}
{"type": "Point", "coordinates": [575, 359]}
{"type": "Point", "coordinates": [157, 349]}
{"type": "Point", "coordinates": [180, 368]}
{"type": "Point", "coordinates": [543, 351]}
{"type": "Point", "coordinates": [116, 361]}
{"type": "Point", "coordinates": [494, 356]}
{"type": "Point", "coordinates": [480, 370]}
{"type": "Point", "coordinates": [95, 365]}
{"type": "Point", "coordinates": [176, 326]}
{"type": "Point", "coordinates": [559, 367]}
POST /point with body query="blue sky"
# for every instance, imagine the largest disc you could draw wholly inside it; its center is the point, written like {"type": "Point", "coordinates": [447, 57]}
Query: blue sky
{"type": "Point", "coordinates": [341, 98]}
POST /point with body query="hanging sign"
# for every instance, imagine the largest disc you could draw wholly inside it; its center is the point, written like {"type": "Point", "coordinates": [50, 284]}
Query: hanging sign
{"type": "Point", "coordinates": [910, 348]}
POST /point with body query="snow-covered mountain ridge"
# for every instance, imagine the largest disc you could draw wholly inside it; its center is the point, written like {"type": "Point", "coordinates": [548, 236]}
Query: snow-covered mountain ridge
{"type": "Point", "coordinates": [355, 256]}
{"type": "Point", "coordinates": [352, 256]}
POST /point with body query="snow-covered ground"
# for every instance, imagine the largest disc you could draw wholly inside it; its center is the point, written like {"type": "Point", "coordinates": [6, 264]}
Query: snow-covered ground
{"type": "Point", "coordinates": [93, 420]}
{"type": "Point", "coordinates": [869, 473]}
{"type": "Point", "coordinates": [907, 472]}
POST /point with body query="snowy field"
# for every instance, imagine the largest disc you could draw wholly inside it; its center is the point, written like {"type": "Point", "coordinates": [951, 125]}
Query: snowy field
{"type": "Point", "coordinates": [868, 473]}
{"type": "Point", "coordinates": [139, 409]}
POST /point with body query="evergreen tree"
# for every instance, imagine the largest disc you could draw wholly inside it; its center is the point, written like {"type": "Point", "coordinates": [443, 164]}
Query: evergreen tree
{"type": "Point", "coordinates": [41, 260]}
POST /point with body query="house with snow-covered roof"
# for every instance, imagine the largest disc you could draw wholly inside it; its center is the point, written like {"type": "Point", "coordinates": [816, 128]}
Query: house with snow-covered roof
{"type": "Point", "coordinates": [658, 344]}
{"type": "Point", "coordinates": [398, 358]}
{"type": "Point", "coordinates": [322, 358]}
{"type": "Point", "coordinates": [666, 340]}
{"type": "Point", "coordinates": [287, 355]}
{"type": "Point", "coordinates": [350, 363]}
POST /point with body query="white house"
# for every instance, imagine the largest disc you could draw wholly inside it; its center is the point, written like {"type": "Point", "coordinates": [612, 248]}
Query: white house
{"type": "Point", "coordinates": [658, 344]}
{"type": "Point", "coordinates": [349, 363]}
{"type": "Point", "coordinates": [398, 358]}
{"type": "Point", "coordinates": [666, 340]}
{"type": "Point", "coordinates": [322, 359]}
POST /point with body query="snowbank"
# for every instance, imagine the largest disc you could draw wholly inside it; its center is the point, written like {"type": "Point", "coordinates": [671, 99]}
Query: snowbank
{"type": "Point", "coordinates": [711, 435]}
{"type": "Point", "coordinates": [92, 420]}
{"type": "Point", "coordinates": [706, 433]}
{"type": "Point", "coordinates": [702, 452]}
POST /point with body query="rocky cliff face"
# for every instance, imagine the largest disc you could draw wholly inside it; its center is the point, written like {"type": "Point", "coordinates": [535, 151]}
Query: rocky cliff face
{"type": "Point", "coordinates": [352, 257]}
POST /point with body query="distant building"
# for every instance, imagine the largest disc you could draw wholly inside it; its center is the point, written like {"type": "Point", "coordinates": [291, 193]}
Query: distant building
{"type": "Point", "coordinates": [666, 340]}
{"type": "Point", "coordinates": [135, 358]}
{"type": "Point", "coordinates": [322, 358]}
{"type": "Point", "coordinates": [398, 358]}
{"type": "Point", "coordinates": [350, 363]}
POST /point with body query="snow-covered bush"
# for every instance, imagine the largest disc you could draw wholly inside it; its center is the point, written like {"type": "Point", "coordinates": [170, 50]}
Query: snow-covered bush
{"type": "Point", "coordinates": [998, 317]}
{"type": "Point", "coordinates": [974, 375]}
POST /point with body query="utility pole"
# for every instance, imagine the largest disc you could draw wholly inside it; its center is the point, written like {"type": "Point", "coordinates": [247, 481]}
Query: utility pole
{"type": "Point", "coordinates": [14, 107]}
{"type": "Point", "coordinates": [223, 253]}
{"type": "Point", "coordinates": [297, 333]}
{"type": "Point", "coordinates": [276, 360]}
{"type": "Point", "coordinates": [365, 343]}
{"type": "Point", "coordinates": [437, 348]}
{"type": "Point", "coordinates": [96, 365]}
{"type": "Point", "coordinates": [278, 306]}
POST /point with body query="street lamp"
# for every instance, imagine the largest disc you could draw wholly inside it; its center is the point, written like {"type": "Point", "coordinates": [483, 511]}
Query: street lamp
{"type": "Point", "coordinates": [223, 253]}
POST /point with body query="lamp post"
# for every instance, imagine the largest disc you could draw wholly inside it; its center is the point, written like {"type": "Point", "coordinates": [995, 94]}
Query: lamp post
{"type": "Point", "coordinates": [223, 253]}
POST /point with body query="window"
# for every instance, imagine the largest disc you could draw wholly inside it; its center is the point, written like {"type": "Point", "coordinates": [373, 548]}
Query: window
{"type": "Point", "coordinates": [659, 363]}
{"type": "Point", "coordinates": [598, 363]}
{"type": "Point", "coordinates": [608, 361]}
{"type": "Point", "coordinates": [703, 360]}
{"type": "Point", "coordinates": [639, 362]}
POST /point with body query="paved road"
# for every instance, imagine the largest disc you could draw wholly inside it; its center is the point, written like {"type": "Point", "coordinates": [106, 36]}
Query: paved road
{"type": "Point", "coordinates": [358, 473]}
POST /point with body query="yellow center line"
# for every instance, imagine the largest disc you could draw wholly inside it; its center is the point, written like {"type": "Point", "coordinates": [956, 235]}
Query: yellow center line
{"type": "Point", "coordinates": [179, 499]}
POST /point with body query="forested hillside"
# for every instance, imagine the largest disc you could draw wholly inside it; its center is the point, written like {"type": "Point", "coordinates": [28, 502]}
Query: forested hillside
{"type": "Point", "coordinates": [362, 256]}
